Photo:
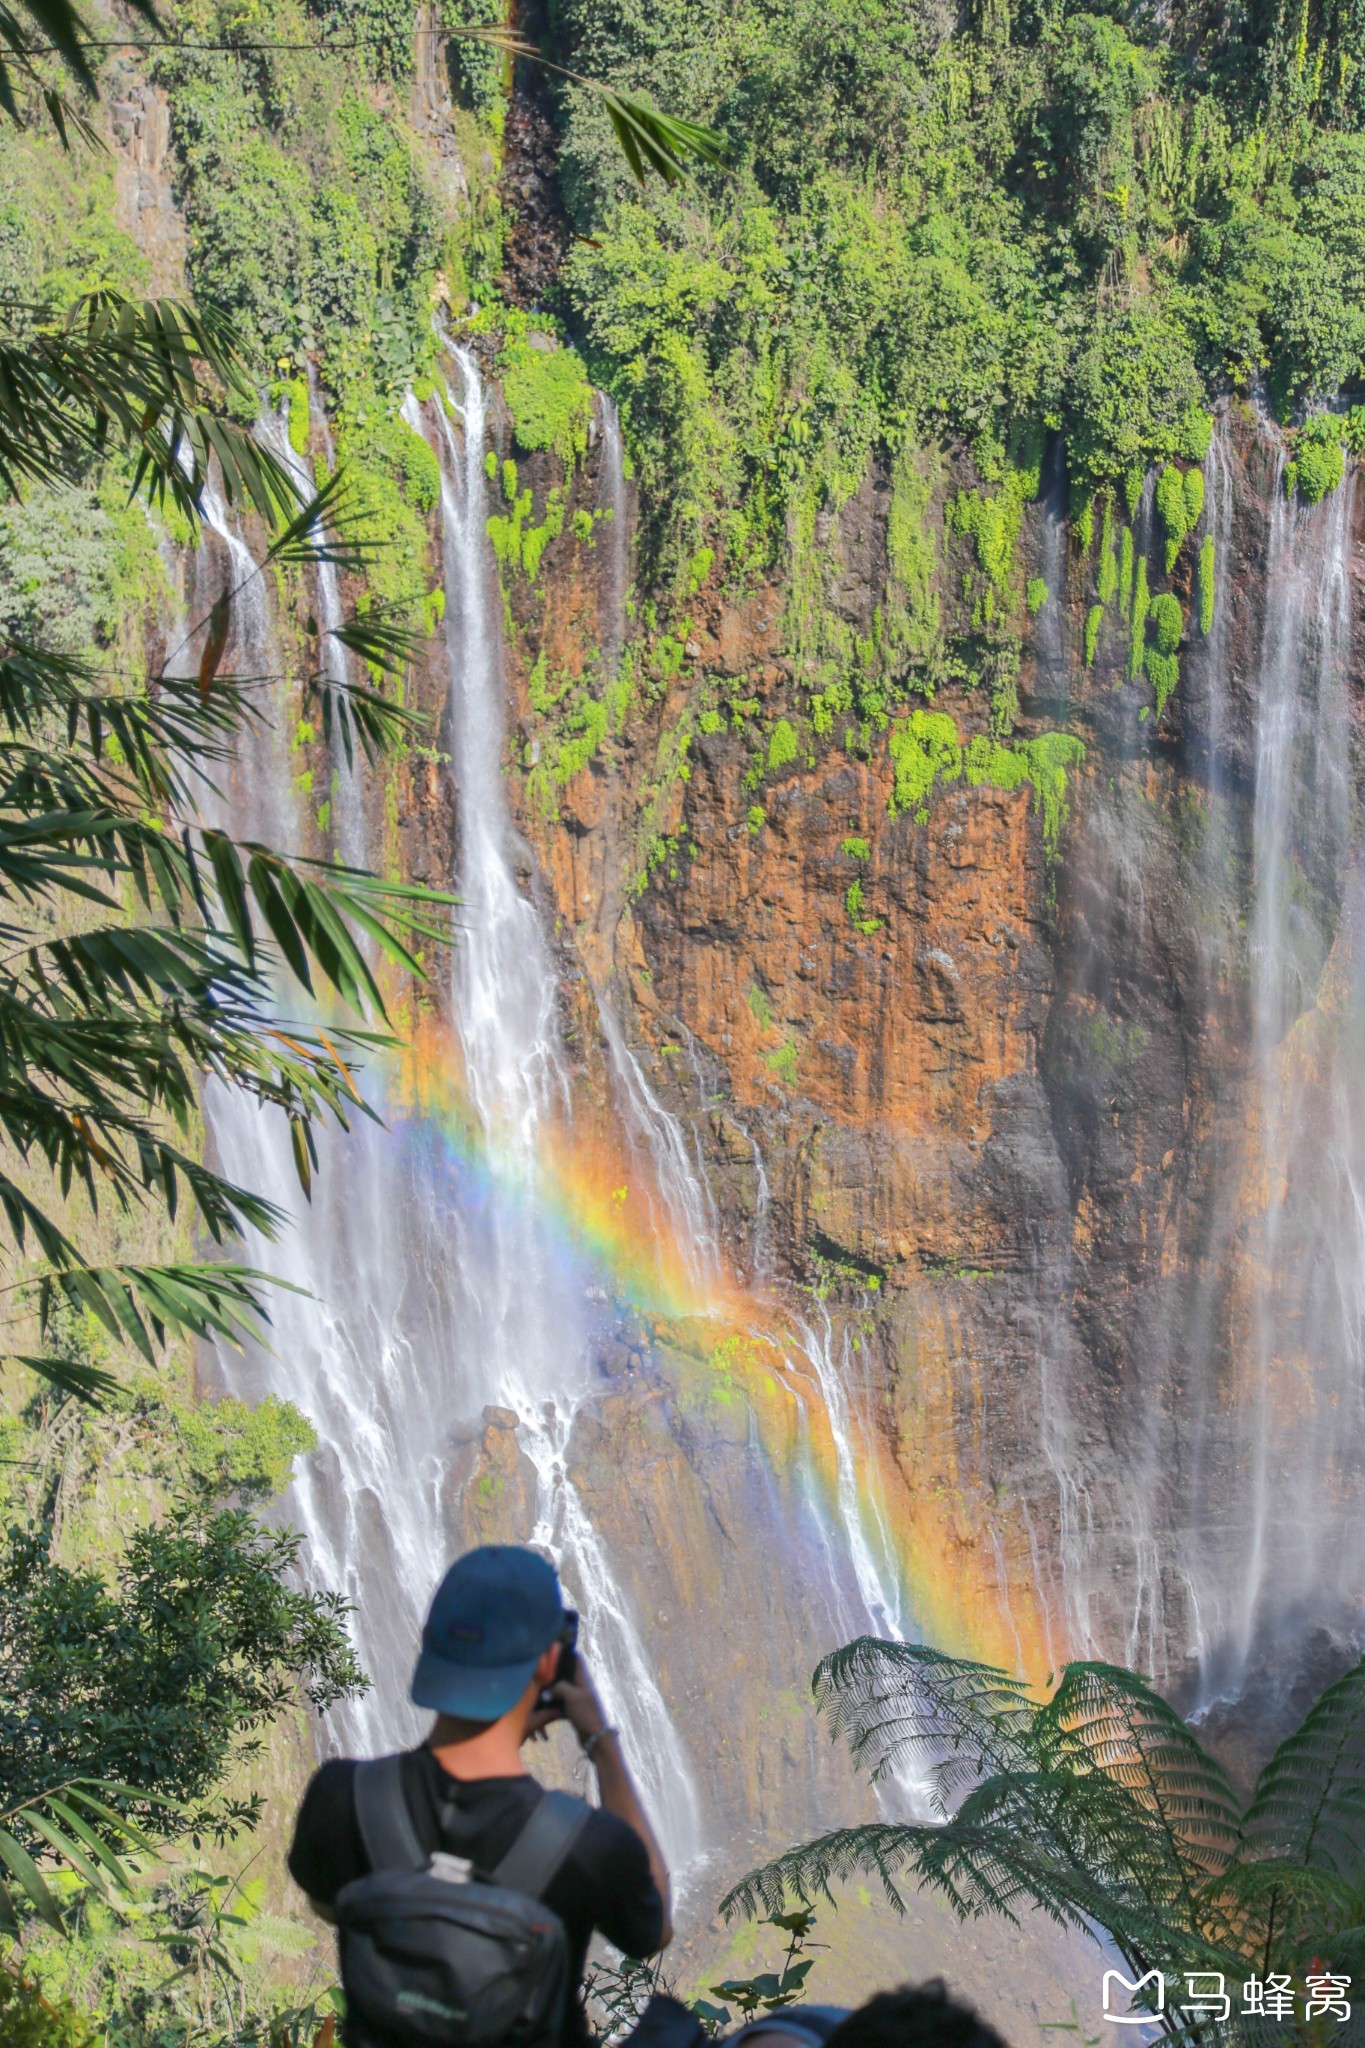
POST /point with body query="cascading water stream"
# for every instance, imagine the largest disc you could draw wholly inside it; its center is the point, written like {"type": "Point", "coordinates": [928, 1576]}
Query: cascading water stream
{"type": "Point", "coordinates": [1194, 1529]}
{"type": "Point", "coordinates": [867, 1546]}
{"type": "Point", "coordinates": [527, 1334]}
{"type": "Point", "coordinates": [866, 1538]}
{"type": "Point", "coordinates": [369, 1500]}
{"type": "Point", "coordinates": [617, 541]}
{"type": "Point", "coordinates": [1052, 678]}
{"type": "Point", "coordinates": [346, 802]}
{"type": "Point", "coordinates": [867, 1543]}
{"type": "Point", "coordinates": [687, 1199]}
{"type": "Point", "coordinates": [1300, 850]}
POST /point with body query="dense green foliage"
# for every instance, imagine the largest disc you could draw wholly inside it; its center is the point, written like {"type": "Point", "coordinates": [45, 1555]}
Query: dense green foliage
{"type": "Point", "coordinates": [547, 394]}
{"type": "Point", "coordinates": [150, 1627]}
{"type": "Point", "coordinates": [313, 222]}
{"type": "Point", "coordinates": [1099, 1806]}
{"type": "Point", "coordinates": [1051, 214]}
{"type": "Point", "coordinates": [158, 1681]}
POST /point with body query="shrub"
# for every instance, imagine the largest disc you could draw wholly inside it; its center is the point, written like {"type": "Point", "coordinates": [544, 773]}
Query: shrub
{"type": "Point", "coordinates": [29, 2019]}
{"type": "Point", "coordinates": [421, 473]}
{"type": "Point", "coordinates": [1093, 620]}
{"type": "Point", "coordinates": [1320, 467]}
{"type": "Point", "coordinates": [1036, 595]}
{"type": "Point", "coordinates": [1196, 432]}
{"type": "Point", "coordinates": [1164, 673]}
{"type": "Point", "coordinates": [782, 746]}
{"type": "Point", "coordinates": [299, 422]}
{"type": "Point", "coordinates": [548, 396]}
{"type": "Point", "coordinates": [1168, 621]}
{"type": "Point", "coordinates": [1175, 498]}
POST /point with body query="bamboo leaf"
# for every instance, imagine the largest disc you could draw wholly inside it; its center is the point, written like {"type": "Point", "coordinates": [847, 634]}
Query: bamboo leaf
{"type": "Point", "coordinates": [29, 1879]}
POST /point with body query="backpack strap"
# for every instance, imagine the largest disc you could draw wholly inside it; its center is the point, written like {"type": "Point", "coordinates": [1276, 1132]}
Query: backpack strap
{"type": "Point", "coordinates": [382, 1811]}
{"type": "Point", "coordinates": [556, 1821]}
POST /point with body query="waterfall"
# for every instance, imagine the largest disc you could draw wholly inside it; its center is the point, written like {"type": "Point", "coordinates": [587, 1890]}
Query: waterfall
{"type": "Point", "coordinates": [1218, 515]}
{"type": "Point", "coordinates": [424, 1302]}
{"type": "Point", "coordinates": [1052, 678]}
{"type": "Point", "coordinates": [867, 1541]}
{"type": "Point", "coordinates": [1309, 1276]}
{"type": "Point", "coordinates": [522, 1309]}
{"type": "Point", "coordinates": [613, 503]}
{"type": "Point", "coordinates": [867, 1545]}
{"type": "Point", "coordinates": [346, 798]}
{"type": "Point", "coordinates": [368, 1501]}
{"type": "Point", "coordinates": [686, 1197]}
{"type": "Point", "coordinates": [349, 835]}
{"type": "Point", "coordinates": [332, 653]}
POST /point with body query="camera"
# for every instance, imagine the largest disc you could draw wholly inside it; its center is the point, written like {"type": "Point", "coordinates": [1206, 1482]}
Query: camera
{"type": "Point", "coordinates": [567, 1666]}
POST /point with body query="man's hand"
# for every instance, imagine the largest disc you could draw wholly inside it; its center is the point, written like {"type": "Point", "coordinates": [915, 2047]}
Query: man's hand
{"type": "Point", "coordinates": [576, 1702]}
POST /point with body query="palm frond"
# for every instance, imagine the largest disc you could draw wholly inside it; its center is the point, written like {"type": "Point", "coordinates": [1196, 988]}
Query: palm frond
{"type": "Point", "coordinates": [1309, 1802]}
{"type": "Point", "coordinates": [63, 26]}
{"type": "Point", "coordinates": [304, 541]}
{"type": "Point", "coordinates": [654, 141]}
{"type": "Point", "coordinates": [142, 1303]}
{"type": "Point", "coordinates": [352, 711]}
{"type": "Point", "coordinates": [131, 373]}
{"type": "Point", "coordinates": [649, 140]}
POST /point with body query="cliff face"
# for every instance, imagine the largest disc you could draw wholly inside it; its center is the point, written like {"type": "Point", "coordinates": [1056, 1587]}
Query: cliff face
{"type": "Point", "coordinates": [1013, 1087]}
{"type": "Point", "coordinates": [1006, 1107]}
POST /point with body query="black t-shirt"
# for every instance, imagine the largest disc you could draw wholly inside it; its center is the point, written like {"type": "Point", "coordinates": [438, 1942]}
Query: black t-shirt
{"type": "Point", "coordinates": [604, 1882]}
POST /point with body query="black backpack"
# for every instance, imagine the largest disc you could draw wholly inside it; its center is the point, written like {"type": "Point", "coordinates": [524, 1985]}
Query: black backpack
{"type": "Point", "coordinates": [435, 1954]}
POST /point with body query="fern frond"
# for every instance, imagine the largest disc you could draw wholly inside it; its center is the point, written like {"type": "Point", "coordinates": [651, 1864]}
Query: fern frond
{"type": "Point", "coordinates": [1274, 1910]}
{"type": "Point", "coordinates": [898, 1705]}
{"type": "Point", "coordinates": [1309, 1802]}
{"type": "Point", "coordinates": [1106, 1726]}
{"type": "Point", "coordinates": [980, 1870]}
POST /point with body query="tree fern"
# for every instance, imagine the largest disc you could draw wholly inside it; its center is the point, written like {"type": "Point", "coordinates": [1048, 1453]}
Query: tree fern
{"type": "Point", "coordinates": [1100, 1808]}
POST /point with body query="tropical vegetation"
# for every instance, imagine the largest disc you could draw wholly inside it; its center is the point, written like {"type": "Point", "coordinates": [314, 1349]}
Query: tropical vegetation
{"type": "Point", "coordinates": [956, 259]}
{"type": "Point", "coordinates": [144, 953]}
{"type": "Point", "coordinates": [1098, 1806]}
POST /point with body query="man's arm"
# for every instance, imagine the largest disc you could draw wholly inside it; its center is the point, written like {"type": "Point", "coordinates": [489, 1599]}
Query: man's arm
{"type": "Point", "coordinates": [583, 1711]}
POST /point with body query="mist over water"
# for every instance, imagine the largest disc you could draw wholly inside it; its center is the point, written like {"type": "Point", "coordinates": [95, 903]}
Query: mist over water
{"type": "Point", "coordinates": [1215, 1524]}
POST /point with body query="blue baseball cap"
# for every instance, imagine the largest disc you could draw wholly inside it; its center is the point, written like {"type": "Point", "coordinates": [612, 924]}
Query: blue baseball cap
{"type": "Point", "coordinates": [496, 1611]}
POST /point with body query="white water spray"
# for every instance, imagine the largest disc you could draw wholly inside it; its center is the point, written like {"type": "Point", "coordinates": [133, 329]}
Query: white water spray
{"type": "Point", "coordinates": [527, 1336]}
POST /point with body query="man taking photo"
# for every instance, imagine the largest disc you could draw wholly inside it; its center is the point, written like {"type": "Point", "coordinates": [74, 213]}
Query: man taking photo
{"type": "Point", "coordinates": [459, 1805]}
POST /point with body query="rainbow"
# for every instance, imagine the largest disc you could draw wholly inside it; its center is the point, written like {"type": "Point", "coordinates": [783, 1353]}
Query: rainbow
{"type": "Point", "coordinates": [607, 1221]}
